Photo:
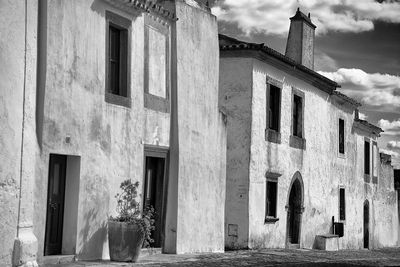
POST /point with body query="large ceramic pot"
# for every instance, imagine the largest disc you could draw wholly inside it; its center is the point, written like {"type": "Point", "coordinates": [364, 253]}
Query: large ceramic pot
{"type": "Point", "coordinates": [125, 241]}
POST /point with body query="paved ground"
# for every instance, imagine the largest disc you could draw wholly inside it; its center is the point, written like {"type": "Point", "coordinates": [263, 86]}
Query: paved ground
{"type": "Point", "coordinates": [270, 257]}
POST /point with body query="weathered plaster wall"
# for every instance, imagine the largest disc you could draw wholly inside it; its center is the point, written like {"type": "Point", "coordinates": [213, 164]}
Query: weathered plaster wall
{"type": "Point", "coordinates": [235, 99]}
{"type": "Point", "coordinates": [109, 138]}
{"type": "Point", "coordinates": [383, 208]}
{"type": "Point", "coordinates": [283, 159]}
{"type": "Point", "coordinates": [322, 168]}
{"type": "Point", "coordinates": [12, 51]}
{"type": "Point", "coordinates": [201, 134]}
{"type": "Point", "coordinates": [18, 144]}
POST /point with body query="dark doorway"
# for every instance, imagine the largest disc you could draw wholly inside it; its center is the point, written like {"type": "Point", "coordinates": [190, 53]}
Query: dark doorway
{"type": "Point", "coordinates": [294, 213]}
{"type": "Point", "coordinates": [154, 191]}
{"type": "Point", "coordinates": [366, 224]}
{"type": "Point", "coordinates": [55, 205]}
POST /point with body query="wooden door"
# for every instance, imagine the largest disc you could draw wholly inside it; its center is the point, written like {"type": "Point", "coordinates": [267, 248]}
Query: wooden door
{"type": "Point", "coordinates": [154, 194]}
{"type": "Point", "coordinates": [366, 224]}
{"type": "Point", "coordinates": [55, 204]}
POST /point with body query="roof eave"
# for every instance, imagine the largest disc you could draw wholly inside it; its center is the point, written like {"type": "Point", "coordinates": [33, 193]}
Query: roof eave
{"type": "Point", "coordinates": [144, 6]}
{"type": "Point", "coordinates": [296, 70]}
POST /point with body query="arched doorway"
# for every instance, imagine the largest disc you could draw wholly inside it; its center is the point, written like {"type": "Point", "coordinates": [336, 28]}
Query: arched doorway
{"type": "Point", "coordinates": [294, 211]}
{"type": "Point", "coordinates": [366, 224]}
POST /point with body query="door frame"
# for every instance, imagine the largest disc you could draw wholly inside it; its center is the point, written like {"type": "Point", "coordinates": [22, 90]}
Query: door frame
{"type": "Point", "coordinates": [296, 176]}
{"type": "Point", "coordinates": [158, 152]}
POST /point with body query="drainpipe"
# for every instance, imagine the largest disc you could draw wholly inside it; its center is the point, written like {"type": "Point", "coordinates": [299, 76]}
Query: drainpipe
{"type": "Point", "coordinates": [25, 244]}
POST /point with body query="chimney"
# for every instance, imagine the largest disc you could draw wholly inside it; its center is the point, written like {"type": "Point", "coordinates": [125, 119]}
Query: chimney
{"type": "Point", "coordinates": [300, 43]}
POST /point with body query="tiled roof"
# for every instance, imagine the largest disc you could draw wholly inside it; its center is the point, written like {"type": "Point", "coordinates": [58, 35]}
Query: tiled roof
{"type": "Point", "coordinates": [231, 44]}
{"type": "Point", "coordinates": [347, 99]}
{"type": "Point", "coordinates": [375, 129]}
{"type": "Point", "coordinates": [145, 5]}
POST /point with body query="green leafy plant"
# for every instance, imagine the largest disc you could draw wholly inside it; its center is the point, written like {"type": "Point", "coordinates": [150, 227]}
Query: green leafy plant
{"type": "Point", "coordinates": [128, 209]}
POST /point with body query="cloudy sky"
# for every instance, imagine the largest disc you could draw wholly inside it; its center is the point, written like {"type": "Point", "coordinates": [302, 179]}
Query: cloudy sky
{"type": "Point", "coordinates": [357, 45]}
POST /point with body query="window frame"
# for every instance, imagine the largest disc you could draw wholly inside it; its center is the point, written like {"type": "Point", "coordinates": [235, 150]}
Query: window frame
{"type": "Point", "coordinates": [296, 141]}
{"type": "Point", "coordinates": [272, 135]}
{"type": "Point", "coordinates": [124, 25]}
{"type": "Point", "coordinates": [341, 187]}
{"type": "Point", "coordinates": [271, 177]}
{"type": "Point", "coordinates": [154, 102]}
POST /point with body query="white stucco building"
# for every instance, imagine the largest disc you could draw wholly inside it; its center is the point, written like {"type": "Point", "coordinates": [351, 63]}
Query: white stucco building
{"type": "Point", "coordinates": [96, 92]}
{"type": "Point", "coordinates": [297, 153]}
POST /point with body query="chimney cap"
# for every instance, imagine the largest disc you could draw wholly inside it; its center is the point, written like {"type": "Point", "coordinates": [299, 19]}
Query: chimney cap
{"type": "Point", "coordinates": [301, 16]}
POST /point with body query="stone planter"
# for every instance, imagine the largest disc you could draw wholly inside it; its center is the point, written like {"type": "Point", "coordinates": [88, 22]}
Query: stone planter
{"type": "Point", "coordinates": [125, 241]}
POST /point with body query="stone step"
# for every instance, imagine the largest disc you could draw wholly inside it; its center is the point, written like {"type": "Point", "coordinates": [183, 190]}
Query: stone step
{"type": "Point", "coordinates": [328, 242]}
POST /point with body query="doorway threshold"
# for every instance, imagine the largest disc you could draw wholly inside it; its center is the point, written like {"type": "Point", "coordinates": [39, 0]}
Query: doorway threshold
{"type": "Point", "coordinates": [58, 259]}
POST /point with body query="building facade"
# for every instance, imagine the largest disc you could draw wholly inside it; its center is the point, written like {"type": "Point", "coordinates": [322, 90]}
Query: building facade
{"type": "Point", "coordinates": [298, 156]}
{"type": "Point", "coordinates": [97, 92]}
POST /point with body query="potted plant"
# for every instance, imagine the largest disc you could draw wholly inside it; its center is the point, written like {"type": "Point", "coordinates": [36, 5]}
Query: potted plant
{"type": "Point", "coordinates": [130, 230]}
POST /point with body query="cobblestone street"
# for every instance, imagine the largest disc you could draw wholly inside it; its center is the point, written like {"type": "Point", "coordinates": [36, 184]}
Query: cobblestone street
{"type": "Point", "coordinates": [271, 257]}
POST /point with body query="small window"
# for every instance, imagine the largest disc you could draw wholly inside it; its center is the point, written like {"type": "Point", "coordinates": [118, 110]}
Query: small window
{"type": "Point", "coordinates": [271, 199]}
{"type": "Point", "coordinates": [341, 136]}
{"type": "Point", "coordinates": [297, 116]}
{"type": "Point", "coordinates": [342, 204]}
{"type": "Point", "coordinates": [274, 107]}
{"type": "Point", "coordinates": [117, 59]}
{"type": "Point", "coordinates": [366, 158]}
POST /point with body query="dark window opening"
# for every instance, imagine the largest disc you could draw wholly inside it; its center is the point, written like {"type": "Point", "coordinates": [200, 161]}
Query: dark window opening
{"type": "Point", "coordinates": [271, 199]}
{"type": "Point", "coordinates": [118, 60]}
{"type": "Point", "coordinates": [341, 136]}
{"type": "Point", "coordinates": [298, 116]}
{"type": "Point", "coordinates": [274, 107]}
{"type": "Point", "coordinates": [342, 204]}
{"type": "Point", "coordinates": [366, 157]}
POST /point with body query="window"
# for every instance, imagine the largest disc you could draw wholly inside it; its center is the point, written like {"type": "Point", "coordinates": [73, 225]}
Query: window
{"type": "Point", "coordinates": [274, 107]}
{"type": "Point", "coordinates": [117, 59]}
{"type": "Point", "coordinates": [366, 158]}
{"type": "Point", "coordinates": [297, 116]}
{"type": "Point", "coordinates": [297, 139]}
{"type": "Point", "coordinates": [342, 204]}
{"type": "Point", "coordinates": [271, 199]}
{"type": "Point", "coordinates": [341, 136]}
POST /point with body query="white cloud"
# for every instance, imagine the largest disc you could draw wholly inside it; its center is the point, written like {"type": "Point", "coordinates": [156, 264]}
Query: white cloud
{"type": "Point", "coordinates": [272, 16]}
{"type": "Point", "coordinates": [393, 144]}
{"type": "Point", "coordinates": [380, 91]}
{"type": "Point", "coordinates": [362, 116]}
{"type": "Point", "coordinates": [389, 125]}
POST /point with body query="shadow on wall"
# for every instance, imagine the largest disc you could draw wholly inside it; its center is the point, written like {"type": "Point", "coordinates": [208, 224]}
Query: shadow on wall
{"type": "Point", "coordinates": [93, 243]}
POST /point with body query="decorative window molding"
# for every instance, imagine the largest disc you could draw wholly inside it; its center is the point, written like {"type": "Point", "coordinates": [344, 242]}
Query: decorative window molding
{"type": "Point", "coordinates": [375, 162]}
{"type": "Point", "coordinates": [156, 96]}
